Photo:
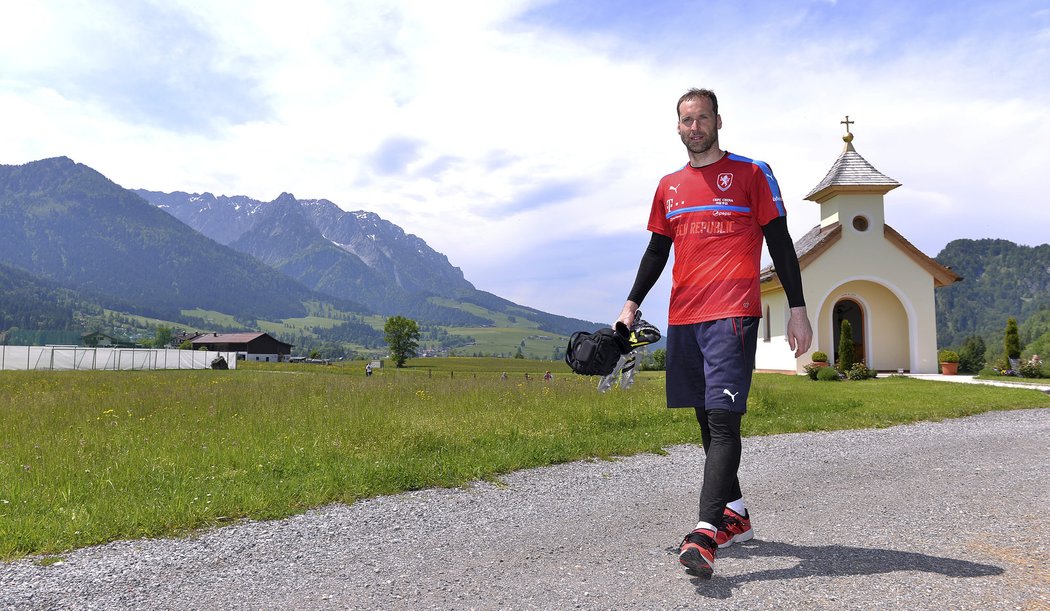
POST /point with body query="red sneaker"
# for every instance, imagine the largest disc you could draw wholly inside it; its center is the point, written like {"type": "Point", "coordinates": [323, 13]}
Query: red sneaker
{"type": "Point", "coordinates": [697, 553]}
{"type": "Point", "coordinates": [735, 528]}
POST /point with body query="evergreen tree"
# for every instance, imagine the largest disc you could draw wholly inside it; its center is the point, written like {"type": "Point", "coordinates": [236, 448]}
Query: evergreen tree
{"type": "Point", "coordinates": [845, 346]}
{"type": "Point", "coordinates": [971, 355]}
{"type": "Point", "coordinates": [1012, 341]}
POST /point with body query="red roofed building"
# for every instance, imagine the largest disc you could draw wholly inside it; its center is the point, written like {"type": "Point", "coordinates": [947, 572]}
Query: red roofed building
{"type": "Point", "coordinates": [250, 346]}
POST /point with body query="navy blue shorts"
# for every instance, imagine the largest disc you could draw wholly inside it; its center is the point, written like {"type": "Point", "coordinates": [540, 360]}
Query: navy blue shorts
{"type": "Point", "coordinates": [709, 364]}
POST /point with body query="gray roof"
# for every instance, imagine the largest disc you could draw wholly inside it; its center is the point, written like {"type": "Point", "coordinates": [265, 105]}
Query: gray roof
{"type": "Point", "coordinates": [804, 245]}
{"type": "Point", "coordinates": [819, 239]}
{"type": "Point", "coordinates": [851, 171]}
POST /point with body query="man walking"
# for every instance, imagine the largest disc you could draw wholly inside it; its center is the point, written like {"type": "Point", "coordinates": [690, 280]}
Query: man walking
{"type": "Point", "coordinates": [715, 211]}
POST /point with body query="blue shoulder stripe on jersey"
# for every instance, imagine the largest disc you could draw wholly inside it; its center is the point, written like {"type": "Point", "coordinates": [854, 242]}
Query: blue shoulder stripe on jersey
{"type": "Point", "coordinates": [774, 188]}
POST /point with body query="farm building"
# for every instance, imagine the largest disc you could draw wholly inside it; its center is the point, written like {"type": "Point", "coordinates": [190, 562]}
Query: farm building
{"type": "Point", "coordinates": [249, 346]}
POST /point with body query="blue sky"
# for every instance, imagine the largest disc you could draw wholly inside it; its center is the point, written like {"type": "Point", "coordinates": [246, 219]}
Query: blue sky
{"type": "Point", "coordinates": [524, 139]}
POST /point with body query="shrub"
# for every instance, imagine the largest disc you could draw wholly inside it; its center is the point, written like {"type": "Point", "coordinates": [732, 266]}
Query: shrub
{"type": "Point", "coordinates": [828, 374]}
{"type": "Point", "coordinates": [948, 356]}
{"type": "Point", "coordinates": [820, 357]}
{"type": "Point", "coordinates": [845, 346]}
{"type": "Point", "coordinates": [860, 371]}
{"type": "Point", "coordinates": [1028, 369]}
{"type": "Point", "coordinates": [812, 370]}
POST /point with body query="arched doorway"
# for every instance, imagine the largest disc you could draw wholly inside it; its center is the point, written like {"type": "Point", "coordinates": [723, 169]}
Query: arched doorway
{"type": "Point", "coordinates": [848, 309]}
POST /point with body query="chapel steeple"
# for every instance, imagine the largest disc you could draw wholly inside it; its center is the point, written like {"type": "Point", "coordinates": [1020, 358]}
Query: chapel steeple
{"type": "Point", "coordinates": [852, 183]}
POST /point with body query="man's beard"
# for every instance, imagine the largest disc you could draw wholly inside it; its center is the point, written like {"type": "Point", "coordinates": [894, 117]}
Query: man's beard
{"type": "Point", "coordinates": [700, 147]}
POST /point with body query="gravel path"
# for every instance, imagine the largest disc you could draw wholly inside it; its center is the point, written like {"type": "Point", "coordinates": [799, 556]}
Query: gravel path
{"type": "Point", "coordinates": [945, 515]}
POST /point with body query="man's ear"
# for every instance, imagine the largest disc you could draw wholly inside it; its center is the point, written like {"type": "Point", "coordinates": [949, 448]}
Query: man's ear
{"type": "Point", "coordinates": [718, 121]}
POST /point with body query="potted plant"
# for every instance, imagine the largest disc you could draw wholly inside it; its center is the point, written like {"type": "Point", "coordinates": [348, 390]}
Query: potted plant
{"type": "Point", "coordinates": [949, 362]}
{"type": "Point", "coordinates": [820, 359]}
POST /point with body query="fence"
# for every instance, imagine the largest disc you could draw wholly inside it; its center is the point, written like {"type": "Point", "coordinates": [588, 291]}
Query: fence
{"type": "Point", "coordinates": [77, 357]}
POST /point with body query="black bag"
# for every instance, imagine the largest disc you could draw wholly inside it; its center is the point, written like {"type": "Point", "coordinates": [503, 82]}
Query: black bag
{"type": "Point", "coordinates": [596, 354]}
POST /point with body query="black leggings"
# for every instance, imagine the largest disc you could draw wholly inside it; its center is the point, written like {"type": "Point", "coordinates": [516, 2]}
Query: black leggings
{"type": "Point", "coordinates": [720, 433]}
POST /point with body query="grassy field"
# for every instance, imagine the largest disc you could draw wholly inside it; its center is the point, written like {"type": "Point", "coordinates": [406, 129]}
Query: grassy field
{"type": "Point", "coordinates": [505, 337]}
{"type": "Point", "coordinates": [507, 340]}
{"type": "Point", "coordinates": [90, 457]}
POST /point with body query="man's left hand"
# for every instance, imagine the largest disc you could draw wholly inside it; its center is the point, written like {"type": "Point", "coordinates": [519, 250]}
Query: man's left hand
{"type": "Point", "coordinates": [799, 333]}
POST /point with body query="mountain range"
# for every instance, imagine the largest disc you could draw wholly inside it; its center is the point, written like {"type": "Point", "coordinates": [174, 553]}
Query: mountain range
{"type": "Point", "coordinates": [350, 255]}
{"type": "Point", "coordinates": [1000, 280]}
{"type": "Point", "coordinates": [70, 225]}
{"type": "Point", "coordinates": [74, 244]}
{"type": "Point", "coordinates": [356, 256]}
{"type": "Point", "coordinates": [66, 227]}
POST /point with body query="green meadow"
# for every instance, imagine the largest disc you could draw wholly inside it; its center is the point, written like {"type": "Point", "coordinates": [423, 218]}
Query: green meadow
{"type": "Point", "coordinates": [90, 457]}
{"type": "Point", "coordinates": [506, 336]}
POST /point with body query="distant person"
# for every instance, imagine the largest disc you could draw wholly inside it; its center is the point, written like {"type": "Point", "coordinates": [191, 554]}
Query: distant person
{"type": "Point", "coordinates": [503, 376]}
{"type": "Point", "coordinates": [547, 377]}
{"type": "Point", "coordinates": [715, 211]}
{"type": "Point", "coordinates": [526, 376]}
{"type": "Point", "coordinates": [368, 370]}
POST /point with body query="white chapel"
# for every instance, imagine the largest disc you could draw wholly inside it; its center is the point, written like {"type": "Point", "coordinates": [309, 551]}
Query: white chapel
{"type": "Point", "coordinates": [856, 267]}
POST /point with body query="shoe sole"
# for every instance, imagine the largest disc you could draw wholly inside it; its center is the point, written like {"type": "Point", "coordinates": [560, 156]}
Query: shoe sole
{"type": "Point", "coordinates": [695, 562]}
{"type": "Point", "coordinates": [744, 536]}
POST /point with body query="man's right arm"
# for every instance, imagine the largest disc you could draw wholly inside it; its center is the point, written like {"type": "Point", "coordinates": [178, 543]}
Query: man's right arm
{"type": "Point", "coordinates": [654, 259]}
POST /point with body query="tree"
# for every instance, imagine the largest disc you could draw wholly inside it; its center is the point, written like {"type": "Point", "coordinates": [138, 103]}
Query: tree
{"type": "Point", "coordinates": [162, 337]}
{"type": "Point", "coordinates": [1012, 341]}
{"type": "Point", "coordinates": [402, 336]}
{"type": "Point", "coordinates": [971, 355]}
{"type": "Point", "coordinates": [845, 346]}
{"type": "Point", "coordinates": [660, 359]}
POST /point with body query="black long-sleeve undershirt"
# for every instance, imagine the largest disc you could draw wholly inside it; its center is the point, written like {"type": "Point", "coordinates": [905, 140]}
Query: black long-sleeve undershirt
{"type": "Point", "coordinates": [781, 251]}
{"type": "Point", "coordinates": [654, 259]}
{"type": "Point", "coordinates": [785, 261]}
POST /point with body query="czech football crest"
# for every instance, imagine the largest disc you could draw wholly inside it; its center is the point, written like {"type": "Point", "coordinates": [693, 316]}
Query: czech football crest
{"type": "Point", "coordinates": [725, 180]}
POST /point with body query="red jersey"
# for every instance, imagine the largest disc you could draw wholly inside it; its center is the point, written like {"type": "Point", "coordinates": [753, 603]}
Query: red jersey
{"type": "Point", "coordinates": [715, 215]}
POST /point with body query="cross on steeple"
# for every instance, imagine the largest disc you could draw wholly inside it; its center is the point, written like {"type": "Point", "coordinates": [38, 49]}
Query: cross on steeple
{"type": "Point", "coordinates": [848, 137]}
